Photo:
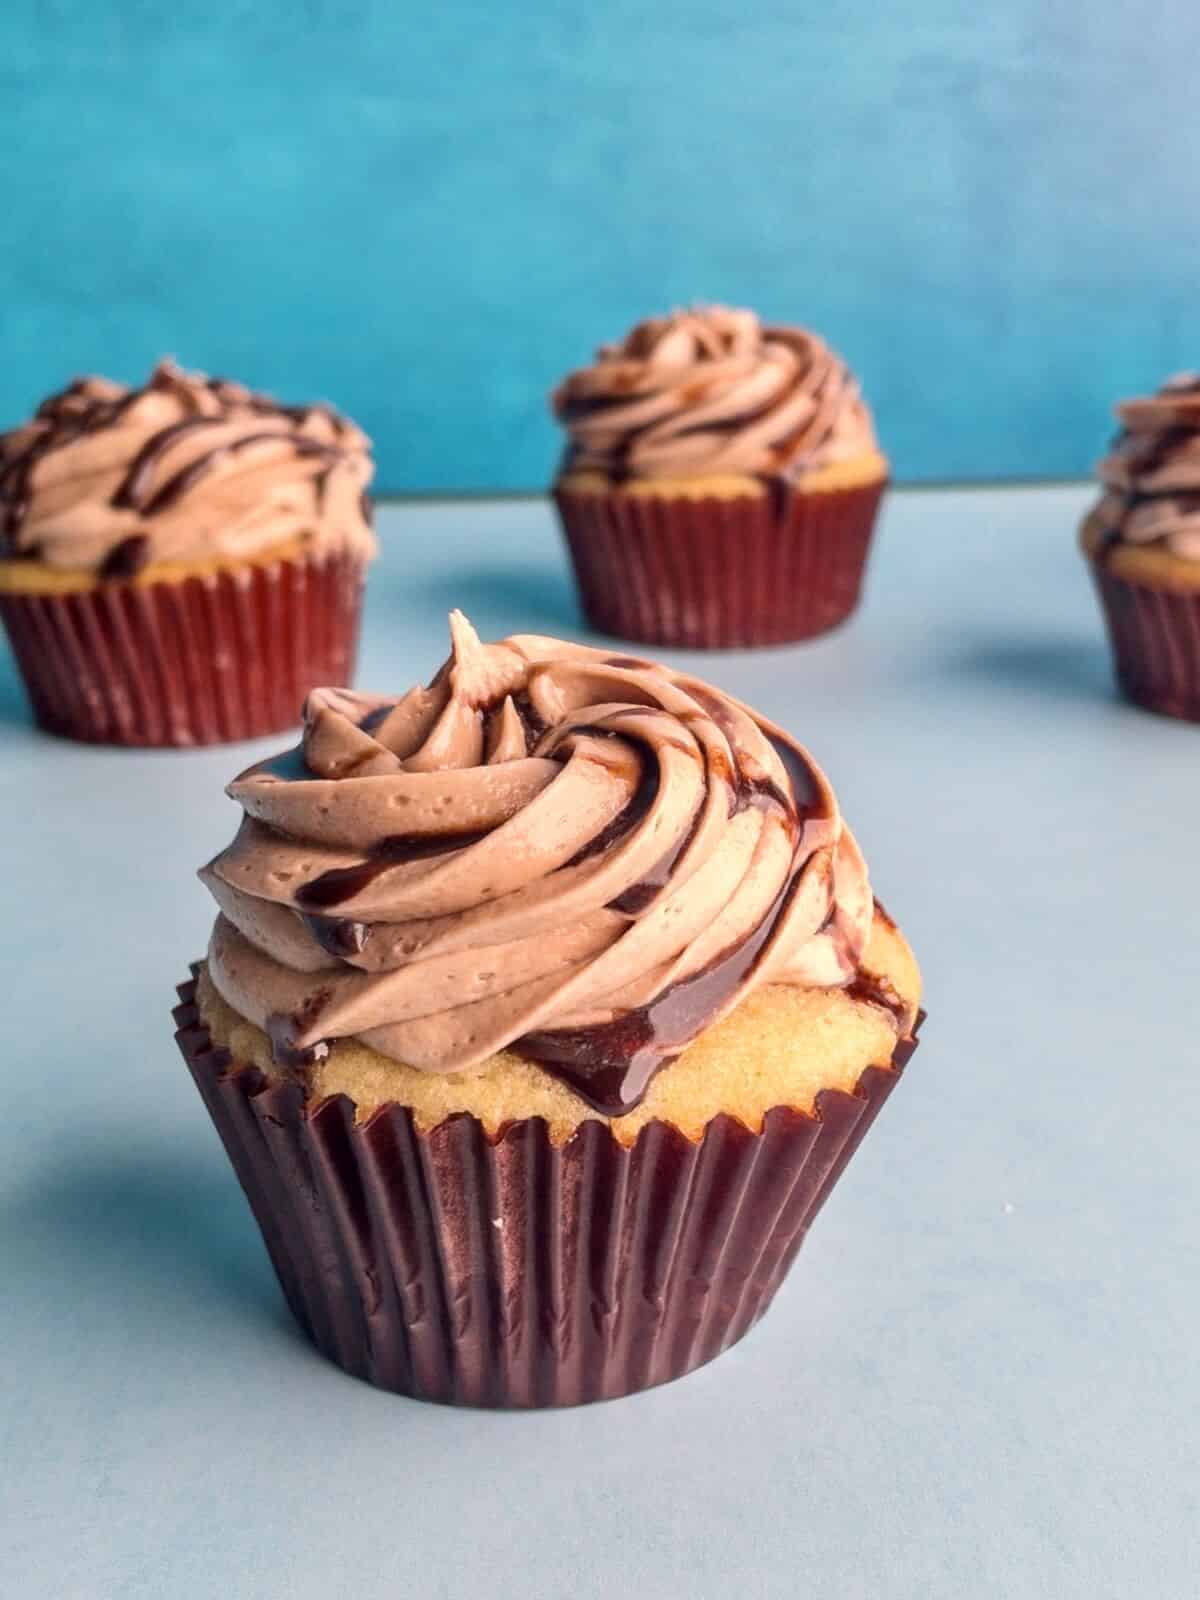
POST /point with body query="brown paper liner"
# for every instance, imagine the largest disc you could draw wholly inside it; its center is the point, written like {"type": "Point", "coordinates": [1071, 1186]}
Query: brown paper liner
{"type": "Point", "coordinates": [513, 1272]}
{"type": "Point", "coordinates": [224, 656]}
{"type": "Point", "coordinates": [1155, 636]}
{"type": "Point", "coordinates": [715, 574]}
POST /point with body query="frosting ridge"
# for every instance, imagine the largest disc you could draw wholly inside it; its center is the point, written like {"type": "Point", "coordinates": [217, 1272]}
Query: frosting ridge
{"type": "Point", "coordinates": [586, 858]}
{"type": "Point", "coordinates": [111, 479]}
{"type": "Point", "coordinates": [1151, 474]}
{"type": "Point", "coordinates": [711, 391]}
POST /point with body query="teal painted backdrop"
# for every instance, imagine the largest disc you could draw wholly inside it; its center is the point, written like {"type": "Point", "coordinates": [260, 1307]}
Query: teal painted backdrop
{"type": "Point", "coordinates": [427, 212]}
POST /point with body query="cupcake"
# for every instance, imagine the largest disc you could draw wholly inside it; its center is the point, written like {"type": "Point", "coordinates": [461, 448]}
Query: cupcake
{"type": "Point", "coordinates": [1143, 542]}
{"type": "Point", "coordinates": [720, 482]}
{"type": "Point", "coordinates": [543, 1008]}
{"type": "Point", "coordinates": [180, 564]}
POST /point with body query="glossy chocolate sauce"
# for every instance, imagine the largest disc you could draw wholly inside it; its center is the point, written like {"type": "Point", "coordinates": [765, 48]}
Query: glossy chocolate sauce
{"type": "Point", "coordinates": [342, 937]}
{"type": "Point", "coordinates": [625, 714]}
{"type": "Point", "coordinates": [626, 820]}
{"type": "Point", "coordinates": [339, 884]}
{"type": "Point", "coordinates": [589, 405]}
{"type": "Point", "coordinates": [375, 719]}
{"type": "Point", "coordinates": [174, 489]}
{"type": "Point", "coordinates": [611, 1066]}
{"type": "Point", "coordinates": [804, 792]}
{"type": "Point", "coordinates": [285, 1027]}
{"type": "Point", "coordinates": [1151, 453]}
{"type": "Point", "coordinates": [882, 914]}
{"type": "Point", "coordinates": [781, 491]}
{"type": "Point", "coordinates": [877, 991]}
{"type": "Point", "coordinates": [133, 493]}
{"type": "Point", "coordinates": [791, 454]}
{"type": "Point", "coordinates": [804, 795]}
{"type": "Point", "coordinates": [640, 896]}
{"type": "Point", "coordinates": [16, 478]}
{"type": "Point", "coordinates": [532, 721]}
{"type": "Point", "coordinates": [126, 560]}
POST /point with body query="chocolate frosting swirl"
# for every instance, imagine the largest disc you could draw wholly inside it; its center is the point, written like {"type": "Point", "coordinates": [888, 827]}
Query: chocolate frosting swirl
{"type": "Point", "coordinates": [712, 391]}
{"type": "Point", "coordinates": [1152, 471]}
{"type": "Point", "coordinates": [110, 479]}
{"type": "Point", "coordinates": [582, 857]}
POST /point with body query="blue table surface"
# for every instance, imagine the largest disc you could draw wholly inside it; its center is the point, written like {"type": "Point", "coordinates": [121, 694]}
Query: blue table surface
{"type": "Point", "coordinates": [980, 1379]}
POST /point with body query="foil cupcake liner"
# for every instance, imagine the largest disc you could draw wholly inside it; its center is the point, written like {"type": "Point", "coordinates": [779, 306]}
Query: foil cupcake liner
{"type": "Point", "coordinates": [209, 659]}
{"type": "Point", "coordinates": [511, 1272]}
{"type": "Point", "coordinates": [716, 574]}
{"type": "Point", "coordinates": [1155, 636]}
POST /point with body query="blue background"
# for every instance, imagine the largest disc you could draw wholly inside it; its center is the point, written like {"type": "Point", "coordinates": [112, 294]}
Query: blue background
{"type": "Point", "coordinates": [427, 213]}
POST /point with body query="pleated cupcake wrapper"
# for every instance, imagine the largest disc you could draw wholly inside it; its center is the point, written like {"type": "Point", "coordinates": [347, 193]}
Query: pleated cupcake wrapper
{"type": "Point", "coordinates": [714, 573]}
{"type": "Point", "coordinates": [1155, 636]}
{"type": "Point", "coordinates": [512, 1272]}
{"type": "Point", "coordinates": [224, 656]}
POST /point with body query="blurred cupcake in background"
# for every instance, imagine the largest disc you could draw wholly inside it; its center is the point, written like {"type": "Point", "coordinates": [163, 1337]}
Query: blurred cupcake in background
{"type": "Point", "coordinates": [1143, 542]}
{"type": "Point", "coordinates": [720, 482]}
{"type": "Point", "coordinates": [181, 563]}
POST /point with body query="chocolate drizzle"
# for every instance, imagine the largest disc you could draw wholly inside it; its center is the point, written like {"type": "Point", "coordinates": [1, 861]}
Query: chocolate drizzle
{"type": "Point", "coordinates": [612, 1066]}
{"type": "Point", "coordinates": [285, 1027]}
{"type": "Point", "coordinates": [1147, 453]}
{"type": "Point", "coordinates": [339, 884]}
{"type": "Point", "coordinates": [575, 407]}
{"type": "Point", "coordinates": [640, 896]}
{"type": "Point", "coordinates": [637, 393]}
{"type": "Point", "coordinates": [1139, 454]}
{"type": "Point", "coordinates": [532, 721]}
{"type": "Point", "coordinates": [376, 718]}
{"type": "Point", "coordinates": [87, 406]}
{"type": "Point", "coordinates": [133, 490]}
{"type": "Point", "coordinates": [780, 487]}
{"type": "Point", "coordinates": [342, 937]}
{"type": "Point", "coordinates": [16, 480]}
{"type": "Point", "coordinates": [873, 990]}
{"type": "Point", "coordinates": [174, 489]}
{"type": "Point", "coordinates": [627, 819]}
{"type": "Point", "coordinates": [126, 560]}
{"type": "Point", "coordinates": [492, 956]}
{"type": "Point", "coordinates": [882, 914]}
{"type": "Point", "coordinates": [804, 794]}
